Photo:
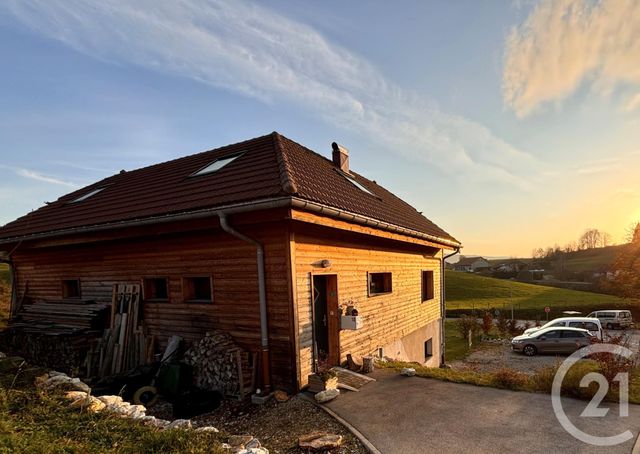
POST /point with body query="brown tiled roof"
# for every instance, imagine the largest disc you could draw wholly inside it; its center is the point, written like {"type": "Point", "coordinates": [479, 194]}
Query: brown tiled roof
{"type": "Point", "coordinates": [270, 166]}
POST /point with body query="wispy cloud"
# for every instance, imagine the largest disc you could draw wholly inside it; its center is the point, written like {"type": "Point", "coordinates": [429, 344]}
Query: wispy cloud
{"type": "Point", "coordinates": [32, 174]}
{"type": "Point", "coordinates": [564, 44]}
{"type": "Point", "coordinates": [633, 103]}
{"type": "Point", "coordinates": [254, 51]}
{"type": "Point", "coordinates": [599, 166]}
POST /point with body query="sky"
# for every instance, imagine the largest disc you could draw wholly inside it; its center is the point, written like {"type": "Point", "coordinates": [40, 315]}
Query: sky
{"type": "Point", "coordinates": [510, 124]}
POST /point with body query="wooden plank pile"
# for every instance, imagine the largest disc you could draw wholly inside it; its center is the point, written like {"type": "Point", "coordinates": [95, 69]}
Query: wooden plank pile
{"type": "Point", "coordinates": [125, 345]}
{"type": "Point", "coordinates": [60, 317]}
{"type": "Point", "coordinates": [219, 364]}
{"type": "Point", "coordinates": [55, 333]}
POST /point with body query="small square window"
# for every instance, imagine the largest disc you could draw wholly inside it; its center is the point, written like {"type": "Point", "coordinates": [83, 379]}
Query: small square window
{"type": "Point", "coordinates": [427, 286]}
{"type": "Point", "coordinates": [156, 288]}
{"type": "Point", "coordinates": [379, 283]}
{"type": "Point", "coordinates": [71, 288]}
{"type": "Point", "coordinates": [428, 349]}
{"type": "Point", "coordinates": [197, 289]}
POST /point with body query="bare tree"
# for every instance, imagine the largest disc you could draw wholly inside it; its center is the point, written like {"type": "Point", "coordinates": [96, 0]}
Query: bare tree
{"type": "Point", "coordinates": [632, 234]}
{"type": "Point", "coordinates": [590, 239]}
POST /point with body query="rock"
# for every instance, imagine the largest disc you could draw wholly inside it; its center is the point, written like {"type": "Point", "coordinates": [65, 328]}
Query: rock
{"type": "Point", "coordinates": [89, 403]}
{"type": "Point", "coordinates": [408, 371]}
{"type": "Point", "coordinates": [41, 380]}
{"type": "Point", "coordinates": [80, 385]}
{"type": "Point", "coordinates": [281, 396]}
{"type": "Point", "coordinates": [207, 429]}
{"type": "Point", "coordinates": [180, 424]}
{"type": "Point", "coordinates": [255, 443]}
{"type": "Point", "coordinates": [239, 441]}
{"type": "Point", "coordinates": [225, 446]}
{"type": "Point", "coordinates": [254, 451]}
{"type": "Point", "coordinates": [327, 395]}
{"type": "Point", "coordinates": [320, 441]}
{"type": "Point", "coordinates": [75, 395]}
{"type": "Point", "coordinates": [111, 400]}
{"type": "Point", "coordinates": [3, 355]}
{"type": "Point", "coordinates": [55, 373]}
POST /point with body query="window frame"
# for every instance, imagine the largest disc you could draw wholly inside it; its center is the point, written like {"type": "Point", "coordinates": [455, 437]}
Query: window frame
{"type": "Point", "coordinates": [386, 292]}
{"type": "Point", "coordinates": [428, 349]}
{"type": "Point", "coordinates": [145, 289]}
{"type": "Point", "coordinates": [64, 283]}
{"type": "Point", "coordinates": [186, 286]}
{"type": "Point", "coordinates": [423, 283]}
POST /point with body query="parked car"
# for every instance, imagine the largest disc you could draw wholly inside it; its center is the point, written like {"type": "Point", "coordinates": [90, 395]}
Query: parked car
{"type": "Point", "coordinates": [592, 325]}
{"type": "Point", "coordinates": [613, 318]}
{"type": "Point", "coordinates": [552, 340]}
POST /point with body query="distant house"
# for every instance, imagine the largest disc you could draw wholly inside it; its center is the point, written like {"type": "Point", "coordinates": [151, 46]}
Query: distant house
{"type": "Point", "coordinates": [472, 264]}
{"type": "Point", "coordinates": [511, 266]}
{"type": "Point", "coordinates": [297, 257]}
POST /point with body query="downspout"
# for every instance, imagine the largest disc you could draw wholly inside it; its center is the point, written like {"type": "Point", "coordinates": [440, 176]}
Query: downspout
{"type": "Point", "coordinates": [443, 304]}
{"type": "Point", "coordinates": [262, 297]}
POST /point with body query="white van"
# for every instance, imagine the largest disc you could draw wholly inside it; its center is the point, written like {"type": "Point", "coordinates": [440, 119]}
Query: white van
{"type": "Point", "coordinates": [613, 318]}
{"type": "Point", "coordinates": [592, 325]}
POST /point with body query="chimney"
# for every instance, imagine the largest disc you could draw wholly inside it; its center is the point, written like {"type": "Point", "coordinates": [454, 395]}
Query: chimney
{"type": "Point", "coordinates": [340, 157]}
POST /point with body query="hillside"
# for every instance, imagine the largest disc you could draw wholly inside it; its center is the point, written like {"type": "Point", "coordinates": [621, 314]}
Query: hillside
{"type": "Point", "coordinates": [467, 292]}
{"type": "Point", "coordinates": [592, 259]}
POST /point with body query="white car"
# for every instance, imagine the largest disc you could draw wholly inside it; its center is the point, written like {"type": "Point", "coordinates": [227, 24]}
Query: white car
{"type": "Point", "coordinates": [592, 325]}
{"type": "Point", "coordinates": [613, 318]}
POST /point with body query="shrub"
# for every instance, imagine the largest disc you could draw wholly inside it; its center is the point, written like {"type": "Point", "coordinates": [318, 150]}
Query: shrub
{"type": "Point", "coordinates": [503, 325]}
{"type": "Point", "coordinates": [487, 323]}
{"type": "Point", "coordinates": [611, 365]}
{"type": "Point", "coordinates": [510, 379]}
{"type": "Point", "coordinates": [466, 324]}
{"type": "Point", "coordinates": [542, 380]}
{"type": "Point", "coordinates": [514, 330]}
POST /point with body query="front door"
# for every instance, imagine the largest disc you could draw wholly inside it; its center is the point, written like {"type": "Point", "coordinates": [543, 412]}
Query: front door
{"type": "Point", "coordinates": [326, 323]}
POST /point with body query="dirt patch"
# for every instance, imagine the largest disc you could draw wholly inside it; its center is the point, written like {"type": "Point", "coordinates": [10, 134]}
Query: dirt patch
{"type": "Point", "coordinates": [276, 425]}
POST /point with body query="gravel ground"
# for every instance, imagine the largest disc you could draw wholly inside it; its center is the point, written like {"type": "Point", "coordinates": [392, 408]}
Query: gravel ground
{"type": "Point", "coordinates": [491, 357]}
{"type": "Point", "coordinates": [276, 425]}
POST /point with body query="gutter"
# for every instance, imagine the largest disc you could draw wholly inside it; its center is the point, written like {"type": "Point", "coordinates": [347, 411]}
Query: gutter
{"type": "Point", "coordinates": [262, 297]}
{"type": "Point", "coordinates": [278, 202]}
{"type": "Point", "coordinates": [443, 305]}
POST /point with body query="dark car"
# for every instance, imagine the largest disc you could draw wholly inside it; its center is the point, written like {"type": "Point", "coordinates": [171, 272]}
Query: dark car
{"type": "Point", "coordinates": [552, 340]}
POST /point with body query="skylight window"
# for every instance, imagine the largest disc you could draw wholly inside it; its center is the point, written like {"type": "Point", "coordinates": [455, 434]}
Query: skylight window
{"type": "Point", "coordinates": [217, 164]}
{"type": "Point", "coordinates": [356, 184]}
{"type": "Point", "coordinates": [87, 195]}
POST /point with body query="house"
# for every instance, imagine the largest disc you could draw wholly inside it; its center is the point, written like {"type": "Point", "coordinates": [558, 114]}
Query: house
{"type": "Point", "coordinates": [472, 264]}
{"type": "Point", "coordinates": [510, 266]}
{"type": "Point", "coordinates": [265, 240]}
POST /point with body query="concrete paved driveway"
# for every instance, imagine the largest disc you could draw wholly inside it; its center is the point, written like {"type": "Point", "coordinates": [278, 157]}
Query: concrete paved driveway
{"type": "Point", "coordinates": [417, 415]}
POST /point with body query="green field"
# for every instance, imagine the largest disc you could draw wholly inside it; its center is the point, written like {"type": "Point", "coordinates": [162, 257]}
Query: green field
{"type": "Point", "coordinates": [467, 292]}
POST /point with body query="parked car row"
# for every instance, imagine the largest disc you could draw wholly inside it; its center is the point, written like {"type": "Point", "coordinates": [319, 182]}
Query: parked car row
{"type": "Point", "coordinates": [568, 334]}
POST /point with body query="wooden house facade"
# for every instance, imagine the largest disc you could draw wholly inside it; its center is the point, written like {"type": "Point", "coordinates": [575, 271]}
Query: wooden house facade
{"type": "Point", "coordinates": [298, 258]}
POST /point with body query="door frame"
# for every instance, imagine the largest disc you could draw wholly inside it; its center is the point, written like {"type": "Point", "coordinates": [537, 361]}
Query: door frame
{"type": "Point", "coordinates": [333, 323]}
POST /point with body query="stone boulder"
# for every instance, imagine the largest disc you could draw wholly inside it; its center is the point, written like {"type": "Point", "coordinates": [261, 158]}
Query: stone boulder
{"type": "Point", "coordinates": [327, 395]}
{"type": "Point", "coordinates": [319, 441]}
{"type": "Point", "coordinates": [408, 372]}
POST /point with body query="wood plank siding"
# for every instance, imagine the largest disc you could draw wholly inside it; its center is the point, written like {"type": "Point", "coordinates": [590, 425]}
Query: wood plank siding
{"type": "Point", "coordinates": [386, 317]}
{"type": "Point", "coordinates": [229, 261]}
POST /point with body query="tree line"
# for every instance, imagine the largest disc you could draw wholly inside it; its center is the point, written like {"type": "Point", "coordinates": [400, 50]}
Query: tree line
{"type": "Point", "coordinates": [590, 239]}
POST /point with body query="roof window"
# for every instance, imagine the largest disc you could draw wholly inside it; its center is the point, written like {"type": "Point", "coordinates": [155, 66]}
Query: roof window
{"type": "Point", "coordinates": [87, 195]}
{"type": "Point", "coordinates": [354, 182]}
{"type": "Point", "coordinates": [217, 164]}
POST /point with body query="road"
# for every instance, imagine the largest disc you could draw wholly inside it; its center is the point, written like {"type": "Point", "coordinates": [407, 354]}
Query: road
{"type": "Point", "coordinates": [412, 414]}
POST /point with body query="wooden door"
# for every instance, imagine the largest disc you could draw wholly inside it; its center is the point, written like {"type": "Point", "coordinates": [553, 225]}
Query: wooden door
{"type": "Point", "coordinates": [326, 321]}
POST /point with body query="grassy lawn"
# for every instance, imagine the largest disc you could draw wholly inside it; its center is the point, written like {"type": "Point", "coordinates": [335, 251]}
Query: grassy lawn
{"type": "Point", "coordinates": [467, 292]}
{"type": "Point", "coordinates": [456, 347]}
{"type": "Point", "coordinates": [36, 421]}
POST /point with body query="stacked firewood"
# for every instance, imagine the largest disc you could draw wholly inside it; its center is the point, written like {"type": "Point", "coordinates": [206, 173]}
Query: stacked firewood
{"type": "Point", "coordinates": [219, 364]}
